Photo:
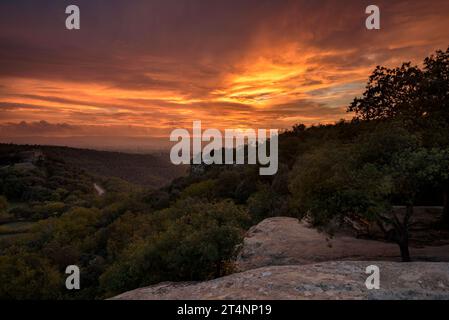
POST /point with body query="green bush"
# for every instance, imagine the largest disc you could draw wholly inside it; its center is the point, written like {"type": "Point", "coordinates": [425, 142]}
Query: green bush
{"type": "Point", "coordinates": [198, 242]}
{"type": "Point", "coordinates": [204, 189]}
{"type": "Point", "coordinates": [26, 275]}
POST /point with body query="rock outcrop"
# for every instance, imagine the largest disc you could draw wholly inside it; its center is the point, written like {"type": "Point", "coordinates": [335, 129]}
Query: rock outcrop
{"type": "Point", "coordinates": [282, 258]}
{"type": "Point", "coordinates": [286, 241]}
{"type": "Point", "coordinates": [328, 280]}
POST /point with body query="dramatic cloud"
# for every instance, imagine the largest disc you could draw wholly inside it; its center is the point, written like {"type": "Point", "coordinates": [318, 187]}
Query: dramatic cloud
{"type": "Point", "coordinates": [145, 67]}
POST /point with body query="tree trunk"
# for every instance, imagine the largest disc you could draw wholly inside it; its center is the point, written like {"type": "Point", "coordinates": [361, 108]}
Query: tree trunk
{"type": "Point", "coordinates": [218, 269]}
{"type": "Point", "coordinates": [402, 234]}
{"type": "Point", "coordinates": [446, 204]}
{"type": "Point", "coordinates": [399, 233]}
{"type": "Point", "coordinates": [405, 253]}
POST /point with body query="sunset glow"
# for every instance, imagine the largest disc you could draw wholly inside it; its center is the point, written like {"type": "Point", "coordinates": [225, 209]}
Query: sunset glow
{"type": "Point", "coordinates": [144, 68]}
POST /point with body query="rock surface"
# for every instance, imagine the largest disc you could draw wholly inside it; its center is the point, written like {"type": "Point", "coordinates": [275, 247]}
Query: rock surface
{"type": "Point", "coordinates": [286, 241]}
{"type": "Point", "coordinates": [328, 280]}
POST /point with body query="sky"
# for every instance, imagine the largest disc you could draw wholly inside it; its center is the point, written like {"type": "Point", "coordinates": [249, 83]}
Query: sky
{"type": "Point", "coordinates": [139, 69]}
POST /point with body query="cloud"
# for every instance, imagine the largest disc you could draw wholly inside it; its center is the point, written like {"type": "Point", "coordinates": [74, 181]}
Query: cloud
{"type": "Point", "coordinates": [44, 128]}
{"type": "Point", "coordinates": [162, 64]}
{"type": "Point", "coordinates": [35, 128]}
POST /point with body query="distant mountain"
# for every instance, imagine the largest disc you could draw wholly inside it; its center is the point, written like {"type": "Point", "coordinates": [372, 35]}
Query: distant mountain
{"type": "Point", "coordinates": [106, 143]}
{"type": "Point", "coordinates": [150, 170]}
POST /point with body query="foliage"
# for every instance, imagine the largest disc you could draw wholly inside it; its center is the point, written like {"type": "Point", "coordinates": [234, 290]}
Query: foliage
{"type": "Point", "coordinates": [197, 243]}
{"type": "Point", "coordinates": [28, 276]}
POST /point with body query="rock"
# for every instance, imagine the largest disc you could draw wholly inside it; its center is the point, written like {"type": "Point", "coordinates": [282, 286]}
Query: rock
{"type": "Point", "coordinates": [282, 258]}
{"type": "Point", "coordinates": [286, 241]}
{"type": "Point", "coordinates": [328, 280]}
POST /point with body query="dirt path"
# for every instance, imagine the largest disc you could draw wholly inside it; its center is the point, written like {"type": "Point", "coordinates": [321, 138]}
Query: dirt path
{"type": "Point", "coordinates": [99, 189]}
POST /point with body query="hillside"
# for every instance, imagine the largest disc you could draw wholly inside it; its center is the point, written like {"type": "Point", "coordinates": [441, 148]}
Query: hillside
{"type": "Point", "coordinates": [149, 170]}
{"type": "Point", "coordinates": [133, 237]}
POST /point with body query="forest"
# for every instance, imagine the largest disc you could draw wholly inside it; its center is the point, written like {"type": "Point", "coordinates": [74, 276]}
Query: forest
{"type": "Point", "coordinates": [394, 152]}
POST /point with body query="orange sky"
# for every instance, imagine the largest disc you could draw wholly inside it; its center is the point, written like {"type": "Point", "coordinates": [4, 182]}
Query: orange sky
{"type": "Point", "coordinates": [143, 68]}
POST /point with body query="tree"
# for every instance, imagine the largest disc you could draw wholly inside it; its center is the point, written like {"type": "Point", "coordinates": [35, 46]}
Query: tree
{"type": "Point", "coordinates": [3, 204]}
{"type": "Point", "coordinates": [391, 93]}
{"type": "Point", "coordinates": [418, 98]}
{"type": "Point", "coordinates": [437, 86]}
{"type": "Point", "coordinates": [415, 95]}
{"type": "Point", "coordinates": [367, 177]}
{"type": "Point", "coordinates": [412, 170]}
{"type": "Point", "coordinates": [191, 240]}
{"type": "Point", "coordinates": [322, 184]}
{"type": "Point", "coordinates": [204, 189]}
{"type": "Point", "coordinates": [4, 215]}
{"type": "Point", "coordinates": [26, 275]}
